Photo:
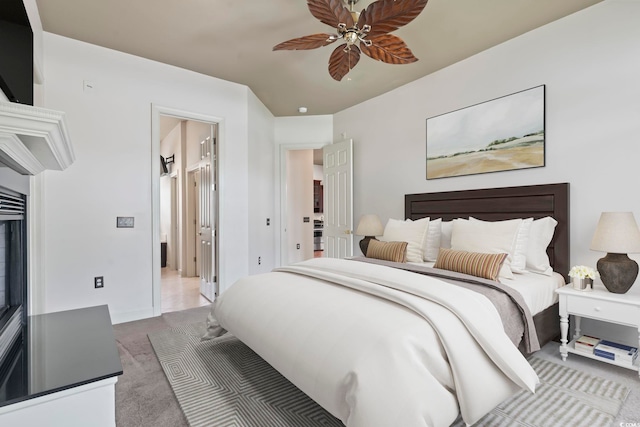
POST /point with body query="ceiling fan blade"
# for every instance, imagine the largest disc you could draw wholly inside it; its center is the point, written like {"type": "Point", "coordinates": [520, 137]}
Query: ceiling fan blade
{"type": "Point", "coordinates": [307, 42]}
{"type": "Point", "coordinates": [385, 16]}
{"type": "Point", "coordinates": [342, 60]}
{"type": "Point", "coordinates": [390, 49]}
{"type": "Point", "coordinates": [331, 12]}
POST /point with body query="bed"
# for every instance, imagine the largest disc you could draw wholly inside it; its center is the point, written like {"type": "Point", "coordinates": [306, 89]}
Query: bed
{"type": "Point", "coordinates": [380, 346]}
{"type": "Point", "coordinates": [495, 204]}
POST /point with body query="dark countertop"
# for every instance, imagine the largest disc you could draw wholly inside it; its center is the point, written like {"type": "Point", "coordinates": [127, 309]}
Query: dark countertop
{"type": "Point", "coordinates": [59, 351]}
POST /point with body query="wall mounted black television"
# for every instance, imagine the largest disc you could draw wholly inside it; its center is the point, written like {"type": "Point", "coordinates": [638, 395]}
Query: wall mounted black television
{"type": "Point", "coordinates": [16, 52]}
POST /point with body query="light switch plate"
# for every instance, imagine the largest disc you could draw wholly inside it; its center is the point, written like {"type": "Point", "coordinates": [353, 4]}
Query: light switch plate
{"type": "Point", "coordinates": [124, 222]}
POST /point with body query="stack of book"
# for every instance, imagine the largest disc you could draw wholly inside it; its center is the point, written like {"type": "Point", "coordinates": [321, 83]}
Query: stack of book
{"type": "Point", "coordinates": [586, 344]}
{"type": "Point", "coordinates": [620, 353]}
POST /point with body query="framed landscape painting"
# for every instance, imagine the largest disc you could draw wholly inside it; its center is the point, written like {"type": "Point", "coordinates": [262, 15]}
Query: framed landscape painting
{"type": "Point", "coordinates": [503, 134]}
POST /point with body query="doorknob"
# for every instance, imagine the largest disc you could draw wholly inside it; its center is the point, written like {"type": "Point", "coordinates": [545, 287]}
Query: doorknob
{"type": "Point", "coordinates": [347, 231]}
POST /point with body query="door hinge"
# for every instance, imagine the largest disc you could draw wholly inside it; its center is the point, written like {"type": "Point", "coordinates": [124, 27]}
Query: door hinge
{"type": "Point", "coordinates": [194, 259]}
{"type": "Point", "coordinates": [215, 279]}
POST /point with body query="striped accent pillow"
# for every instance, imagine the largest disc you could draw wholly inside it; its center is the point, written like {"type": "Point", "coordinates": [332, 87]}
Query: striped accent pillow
{"type": "Point", "coordinates": [388, 251]}
{"type": "Point", "coordinates": [476, 264]}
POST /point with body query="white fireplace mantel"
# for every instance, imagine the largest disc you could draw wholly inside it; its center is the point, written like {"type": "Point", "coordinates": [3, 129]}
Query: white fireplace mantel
{"type": "Point", "coordinates": [33, 139]}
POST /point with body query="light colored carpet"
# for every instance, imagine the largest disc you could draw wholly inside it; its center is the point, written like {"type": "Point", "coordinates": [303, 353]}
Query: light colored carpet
{"type": "Point", "coordinates": [143, 395]}
{"type": "Point", "coordinates": [223, 383]}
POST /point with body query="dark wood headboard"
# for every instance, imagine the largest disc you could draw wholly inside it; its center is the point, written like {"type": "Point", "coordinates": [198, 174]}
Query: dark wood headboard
{"type": "Point", "coordinates": [495, 204]}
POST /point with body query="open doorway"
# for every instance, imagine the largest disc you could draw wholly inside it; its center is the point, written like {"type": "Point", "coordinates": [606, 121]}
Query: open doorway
{"type": "Point", "coordinates": [318, 204]}
{"type": "Point", "coordinates": [298, 234]}
{"type": "Point", "coordinates": [188, 198]}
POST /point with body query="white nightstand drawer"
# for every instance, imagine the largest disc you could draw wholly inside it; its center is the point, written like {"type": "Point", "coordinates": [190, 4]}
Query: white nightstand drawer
{"type": "Point", "coordinates": [605, 310]}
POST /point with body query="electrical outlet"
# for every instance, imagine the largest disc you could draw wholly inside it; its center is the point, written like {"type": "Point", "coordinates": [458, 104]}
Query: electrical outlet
{"type": "Point", "coordinates": [259, 260]}
{"type": "Point", "coordinates": [98, 282]}
{"type": "Point", "coordinates": [298, 246]}
{"type": "Point", "coordinates": [268, 221]}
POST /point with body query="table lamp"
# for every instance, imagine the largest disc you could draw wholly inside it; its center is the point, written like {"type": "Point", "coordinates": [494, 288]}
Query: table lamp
{"type": "Point", "coordinates": [617, 234]}
{"type": "Point", "coordinates": [369, 226]}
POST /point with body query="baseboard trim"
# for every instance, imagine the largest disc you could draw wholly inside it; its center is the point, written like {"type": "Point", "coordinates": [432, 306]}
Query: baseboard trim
{"type": "Point", "coordinates": [130, 316]}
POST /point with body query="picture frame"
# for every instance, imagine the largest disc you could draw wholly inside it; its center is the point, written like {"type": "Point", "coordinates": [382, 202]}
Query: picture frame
{"type": "Point", "coordinates": [502, 134]}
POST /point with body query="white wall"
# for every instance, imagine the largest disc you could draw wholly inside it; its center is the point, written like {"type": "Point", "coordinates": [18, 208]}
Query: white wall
{"type": "Point", "coordinates": [110, 129]}
{"type": "Point", "coordinates": [299, 204]}
{"type": "Point", "coordinates": [171, 146]}
{"type": "Point", "coordinates": [590, 65]}
{"type": "Point", "coordinates": [261, 188]}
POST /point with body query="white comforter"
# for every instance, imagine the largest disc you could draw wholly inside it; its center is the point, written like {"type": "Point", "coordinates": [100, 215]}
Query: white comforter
{"type": "Point", "coordinates": [376, 346]}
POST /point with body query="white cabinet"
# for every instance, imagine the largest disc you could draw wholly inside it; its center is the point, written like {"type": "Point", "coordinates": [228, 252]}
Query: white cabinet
{"type": "Point", "coordinates": [598, 304]}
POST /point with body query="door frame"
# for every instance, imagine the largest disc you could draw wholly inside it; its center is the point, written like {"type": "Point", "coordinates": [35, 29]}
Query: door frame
{"type": "Point", "coordinates": [173, 252]}
{"type": "Point", "coordinates": [282, 253]}
{"type": "Point", "coordinates": [190, 268]}
{"type": "Point", "coordinates": [156, 112]}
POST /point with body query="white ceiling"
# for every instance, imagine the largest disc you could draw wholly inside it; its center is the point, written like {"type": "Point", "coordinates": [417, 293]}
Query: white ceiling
{"type": "Point", "coordinates": [233, 40]}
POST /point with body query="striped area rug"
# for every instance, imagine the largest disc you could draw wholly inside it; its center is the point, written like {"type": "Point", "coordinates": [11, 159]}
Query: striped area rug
{"type": "Point", "coordinates": [222, 383]}
{"type": "Point", "coordinates": [564, 397]}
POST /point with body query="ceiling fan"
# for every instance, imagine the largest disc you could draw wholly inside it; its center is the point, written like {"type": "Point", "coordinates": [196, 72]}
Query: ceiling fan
{"type": "Point", "coordinates": [369, 30]}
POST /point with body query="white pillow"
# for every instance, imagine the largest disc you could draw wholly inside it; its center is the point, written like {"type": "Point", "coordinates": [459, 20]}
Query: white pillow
{"type": "Point", "coordinates": [520, 245]}
{"type": "Point", "coordinates": [487, 237]}
{"type": "Point", "coordinates": [432, 241]}
{"type": "Point", "coordinates": [539, 238]}
{"type": "Point", "coordinates": [446, 228]}
{"type": "Point", "coordinates": [412, 232]}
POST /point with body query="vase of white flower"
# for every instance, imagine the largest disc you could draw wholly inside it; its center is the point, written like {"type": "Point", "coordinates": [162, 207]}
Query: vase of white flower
{"type": "Point", "coordinates": [582, 277]}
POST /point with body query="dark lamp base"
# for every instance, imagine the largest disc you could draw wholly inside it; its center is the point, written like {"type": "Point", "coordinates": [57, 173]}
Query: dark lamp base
{"type": "Point", "coordinates": [618, 272]}
{"type": "Point", "coordinates": [364, 244]}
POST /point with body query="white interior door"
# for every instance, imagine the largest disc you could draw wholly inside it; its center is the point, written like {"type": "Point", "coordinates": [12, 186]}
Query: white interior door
{"type": "Point", "coordinates": [206, 217]}
{"type": "Point", "coordinates": [338, 199]}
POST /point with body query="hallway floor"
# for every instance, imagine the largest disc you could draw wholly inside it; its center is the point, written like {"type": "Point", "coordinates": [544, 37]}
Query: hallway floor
{"type": "Point", "coordinates": [179, 293]}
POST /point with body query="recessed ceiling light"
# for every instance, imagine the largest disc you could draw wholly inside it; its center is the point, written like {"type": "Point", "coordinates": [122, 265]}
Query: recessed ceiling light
{"type": "Point", "coordinates": [302, 110]}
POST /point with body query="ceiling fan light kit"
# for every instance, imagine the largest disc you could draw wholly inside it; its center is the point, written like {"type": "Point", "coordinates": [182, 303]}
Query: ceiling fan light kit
{"type": "Point", "coordinates": [366, 32]}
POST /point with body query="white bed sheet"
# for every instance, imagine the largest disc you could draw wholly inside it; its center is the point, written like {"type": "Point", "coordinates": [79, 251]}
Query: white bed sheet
{"type": "Point", "coordinates": [537, 290]}
{"type": "Point", "coordinates": [352, 335]}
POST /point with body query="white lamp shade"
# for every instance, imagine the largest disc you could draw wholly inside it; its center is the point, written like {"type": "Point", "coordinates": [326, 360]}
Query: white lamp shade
{"type": "Point", "coordinates": [369, 225]}
{"type": "Point", "coordinates": [617, 232]}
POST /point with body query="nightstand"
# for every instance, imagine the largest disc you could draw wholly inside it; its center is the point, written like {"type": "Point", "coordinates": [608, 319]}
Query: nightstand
{"type": "Point", "coordinates": [599, 304]}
